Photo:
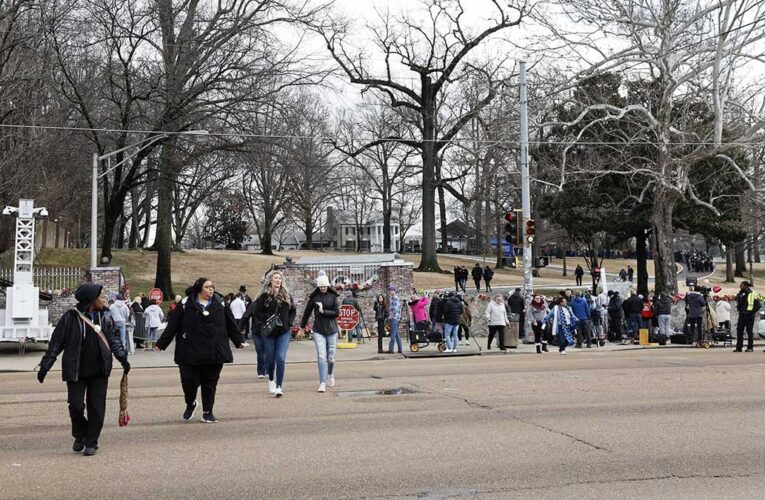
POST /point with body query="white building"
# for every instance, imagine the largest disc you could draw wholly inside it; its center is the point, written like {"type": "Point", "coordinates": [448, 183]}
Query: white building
{"type": "Point", "coordinates": [342, 232]}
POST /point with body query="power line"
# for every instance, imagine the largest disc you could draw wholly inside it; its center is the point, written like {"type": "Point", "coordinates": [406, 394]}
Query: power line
{"type": "Point", "coordinates": [502, 141]}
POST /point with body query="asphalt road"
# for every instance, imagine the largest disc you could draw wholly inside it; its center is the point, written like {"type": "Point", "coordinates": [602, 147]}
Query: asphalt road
{"type": "Point", "coordinates": [679, 423]}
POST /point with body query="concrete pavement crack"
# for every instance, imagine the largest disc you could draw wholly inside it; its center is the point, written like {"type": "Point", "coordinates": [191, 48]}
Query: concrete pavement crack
{"type": "Point", "coordinates": [482, 406]}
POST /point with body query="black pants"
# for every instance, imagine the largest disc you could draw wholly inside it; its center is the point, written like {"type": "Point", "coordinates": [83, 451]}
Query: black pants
{"type": "Point", "coordinates": [498, 330]}
{"type": "Point", "coordinates": [539, 333]}
{"type": "Point", "coordinates": [694, 328]}
{"type": "Point", "coordinates": [463, 328]}
{"type": "Point", "coordinates": [578, 281]}
{"type": "Point", "coordinates": [745, 321]}
{"type": "Point", "coordinates": [584, 332]}
{"type": "Point", "coordinates": [91, 393]}
{"type": "Point", "coordinates": [615, 320]}
{"type": "Point", "coordinates": [488, 285]}
{"type": "Point", "coordinates": [202, 375]}
{"type": "Point", "coordinates": [380, 334]}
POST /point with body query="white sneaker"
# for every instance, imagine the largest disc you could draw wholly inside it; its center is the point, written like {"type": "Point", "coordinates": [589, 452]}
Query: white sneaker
{"type": "Point", "coordinates": [331, 380]}
{"type": "Point", "coordinates": [278, 392]}
{"type": "Point", "coordinates": [467, 342]}
{"type": "Point", "coordinates": [272, 387]}
{"type": "Point", "coordinates": [563, 353]}
{"type": "Point", "coordinates": [322, 387]}
{"type": "Point", "coordinates": [261, 376]}
{"type": "Point", "coordinates": [454, 350]}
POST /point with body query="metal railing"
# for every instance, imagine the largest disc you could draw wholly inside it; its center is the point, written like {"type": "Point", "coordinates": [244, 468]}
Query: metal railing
{"type": "Point", "coordinates": [51, 278]}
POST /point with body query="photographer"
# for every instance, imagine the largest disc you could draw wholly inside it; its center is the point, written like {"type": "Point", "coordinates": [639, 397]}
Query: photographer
{"type": "Point", "coordinates": [695, 306]}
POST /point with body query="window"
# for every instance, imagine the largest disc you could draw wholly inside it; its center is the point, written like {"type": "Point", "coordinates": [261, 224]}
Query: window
{"type": "Point", "coordinates": [353, 231]}
{"type": "Point", "coordinates": [347, 230]}
{"type": "Point", "coordinates": [334, 231]}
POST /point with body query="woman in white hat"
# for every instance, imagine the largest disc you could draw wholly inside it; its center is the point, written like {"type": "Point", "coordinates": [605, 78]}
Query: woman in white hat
{"type": "Point", "coordinates": [324, 303]}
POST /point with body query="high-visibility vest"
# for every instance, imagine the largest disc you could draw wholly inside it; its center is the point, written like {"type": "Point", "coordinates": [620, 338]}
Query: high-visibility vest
{"type": "Point", "coordinates": [750, 298]}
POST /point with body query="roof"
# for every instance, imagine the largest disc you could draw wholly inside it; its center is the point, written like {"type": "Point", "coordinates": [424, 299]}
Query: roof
{"type": "Point", "coordinates": [349, 259]}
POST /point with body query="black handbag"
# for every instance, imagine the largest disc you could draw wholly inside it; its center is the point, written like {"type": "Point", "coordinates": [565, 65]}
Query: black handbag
{"type": "Point", "coordinates": [273, 324]}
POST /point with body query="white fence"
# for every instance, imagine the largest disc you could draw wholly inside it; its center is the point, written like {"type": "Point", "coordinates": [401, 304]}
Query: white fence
{"type": "Point", "coordinates": [51, 278]}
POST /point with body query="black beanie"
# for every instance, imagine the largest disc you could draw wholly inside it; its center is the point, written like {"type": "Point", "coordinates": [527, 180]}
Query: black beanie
{"type": "Point", "coordinates": [87, 293]}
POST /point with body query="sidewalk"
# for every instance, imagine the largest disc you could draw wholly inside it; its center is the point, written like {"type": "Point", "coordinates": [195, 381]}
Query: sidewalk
{"type": "Point", "coordinates": [304, 352]}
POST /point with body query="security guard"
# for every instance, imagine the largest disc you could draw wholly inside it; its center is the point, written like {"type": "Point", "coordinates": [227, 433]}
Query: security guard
{"type": "Point", "coordinates": [747, 306]}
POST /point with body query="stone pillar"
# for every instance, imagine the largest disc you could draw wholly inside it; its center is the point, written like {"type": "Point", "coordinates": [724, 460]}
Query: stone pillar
{"type": "Point", "coordinates": [111, 278]}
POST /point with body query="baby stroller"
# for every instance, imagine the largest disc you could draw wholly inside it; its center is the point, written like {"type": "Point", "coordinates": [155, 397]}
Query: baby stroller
{"type": "Point", "coordinates": [422, 335]}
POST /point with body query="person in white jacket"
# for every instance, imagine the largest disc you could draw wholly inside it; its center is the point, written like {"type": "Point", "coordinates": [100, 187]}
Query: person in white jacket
{"type": "Point", "coordinates": [722, 309]}
{"type": "Point", "coordinates": [154, 318]}
{"type": "Point", "coordinates": [496, 318]}
{"type": "Point", "coordinates": [120, 316]}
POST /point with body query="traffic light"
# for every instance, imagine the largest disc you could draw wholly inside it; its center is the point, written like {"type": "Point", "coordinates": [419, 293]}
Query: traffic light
{"type": "Point", "coordinates": [530, 230]}
{"type": "Point", "coordinates": [511, 228]}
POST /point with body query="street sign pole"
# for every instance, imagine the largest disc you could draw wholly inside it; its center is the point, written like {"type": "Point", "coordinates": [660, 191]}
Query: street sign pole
{"type": "Point", "coordinates": [528, 279]}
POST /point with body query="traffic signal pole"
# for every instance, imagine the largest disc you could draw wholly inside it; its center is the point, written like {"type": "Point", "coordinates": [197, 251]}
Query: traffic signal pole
{"type": "Point", "coordinates": [528, 278]}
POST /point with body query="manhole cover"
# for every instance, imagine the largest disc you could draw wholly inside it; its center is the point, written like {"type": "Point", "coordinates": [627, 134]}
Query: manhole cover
{"type": "Point", "coordinates": [398, 391]}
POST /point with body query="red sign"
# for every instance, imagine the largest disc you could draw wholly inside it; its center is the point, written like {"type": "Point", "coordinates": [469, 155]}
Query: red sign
{"type": "Point", "coordinates": [347, 317]}
{"type": "Point", "coordinates": [156, 295]}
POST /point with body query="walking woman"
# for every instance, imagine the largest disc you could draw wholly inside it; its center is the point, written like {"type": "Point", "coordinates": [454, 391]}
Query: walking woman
{"type": "Point", "coordinates": [538, 314]}
{"type": "Point", "coordinates": [381, 314]}
{"type": "Point", "coordinates": [563, 324]}
{"type": "Point", "coordinates": [324, 304]}
{"type": "Point", "coordinates": [274, 303]}
{"type": "Point", "coordinates": [201, 327]}
{"type": "Point", "coordinates": [496, 318]}
{"type": "Point", "coordinates": [86, 335]}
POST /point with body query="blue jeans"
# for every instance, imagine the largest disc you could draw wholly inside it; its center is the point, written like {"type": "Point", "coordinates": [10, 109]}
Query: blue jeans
{"type": "Point", "coordinates": [449, 332]}
{"type": "Point", "coordinates": [276, 353]}
{"type": "Point", "coordinates": [633, 323]}
{"type": "Point", "coordinates": [260, 349]}
{"type": "Point", "coordinates": [358, 331]}
{"type": "Point", "coordinates": [394, 336]}
{"type": "Point", "coordinates": [120, 325]}
{"type": "Point", "coordinates": [326, 346]}
{"type": "Point", "coordinates": [153, 333]}
{"type": "Point", "coordinates": [664, 320]}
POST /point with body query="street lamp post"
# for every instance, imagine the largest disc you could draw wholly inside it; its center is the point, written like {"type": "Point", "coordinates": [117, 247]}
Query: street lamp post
{"type": "Point", "coordinates": [94, 187]}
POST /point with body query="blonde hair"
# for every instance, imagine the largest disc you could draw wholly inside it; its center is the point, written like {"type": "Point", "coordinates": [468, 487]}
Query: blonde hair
{"type": "Point", "coordinates": [283, 295]}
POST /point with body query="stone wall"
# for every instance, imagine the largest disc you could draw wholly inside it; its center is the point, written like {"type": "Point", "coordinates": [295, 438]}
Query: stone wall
{"type": "Point", "coordinates": [301, 282]}
{"type": "Point", "coordinates": [111, 278]}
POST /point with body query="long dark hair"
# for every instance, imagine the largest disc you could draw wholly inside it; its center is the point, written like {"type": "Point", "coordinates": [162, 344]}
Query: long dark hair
{"type": "Point", "coordinates": [383, 302]}
{"type": "Point", "coordinates": [196, 288]}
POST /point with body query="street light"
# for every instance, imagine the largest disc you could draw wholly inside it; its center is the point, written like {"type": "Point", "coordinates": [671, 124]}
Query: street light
{"type": "Point", "coordinates": [94, 188]}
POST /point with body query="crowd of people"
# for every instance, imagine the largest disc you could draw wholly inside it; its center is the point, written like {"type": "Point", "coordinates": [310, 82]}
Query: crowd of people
{"type": "Point", "coordinates": [204, 324]}
{"type": "Point", "coordinates": [461, 273]}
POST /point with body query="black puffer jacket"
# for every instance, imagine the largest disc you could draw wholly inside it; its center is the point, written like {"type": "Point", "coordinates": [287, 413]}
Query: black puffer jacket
{"type": "Point", "coordinates": [201, 339]}
{"type": "Point", "coordinates": [263, 308]}
{"type": "Point", "coordinates": [324, 322]}
{"type": "Point", "coordinates": [68, 337]}
{"type": "Point", "coordinates": [452, 310]}
{"type": "Point", "coordinates": [516, 303]}
{"type": "Point", "coordinates": [662, 304]}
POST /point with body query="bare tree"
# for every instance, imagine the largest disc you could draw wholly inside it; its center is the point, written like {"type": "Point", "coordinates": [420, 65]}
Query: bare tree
{"type": "Point", "coordinates": [436, 51]}
{"type": "Point", "coordinates": [387, 165]}
{"type": "Point", "coordinates": [690, 50]}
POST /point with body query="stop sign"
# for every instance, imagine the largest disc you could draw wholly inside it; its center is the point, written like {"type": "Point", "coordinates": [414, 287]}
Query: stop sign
{"type": "Point", "coordinates": [156, 295]}
{"type": "Point", "coordinates": [347, 317]}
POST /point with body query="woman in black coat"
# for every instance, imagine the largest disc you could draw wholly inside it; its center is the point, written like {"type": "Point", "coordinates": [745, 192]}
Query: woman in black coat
{"type": "Point", "coordinates": [274, 300]}
{"type": "Point", "coordinates": [381, 314]}
{"type": "Point", "coordinates": [87, 337]}
{"type": "Point", "coordinates": [324, 304]}
{"type": "Point", "coordinates": [201, 327]}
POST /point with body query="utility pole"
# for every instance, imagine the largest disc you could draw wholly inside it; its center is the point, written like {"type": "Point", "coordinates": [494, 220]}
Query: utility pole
{"type": "Point", "coordinates": [528, 279]}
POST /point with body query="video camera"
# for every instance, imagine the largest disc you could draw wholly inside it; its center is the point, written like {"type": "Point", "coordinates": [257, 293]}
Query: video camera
{"type": "Point", "coordinates": [693, 282]}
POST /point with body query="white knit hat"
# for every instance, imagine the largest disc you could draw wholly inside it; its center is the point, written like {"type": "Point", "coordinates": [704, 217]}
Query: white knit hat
{"type": "Point", "coordinates": [322, 280]}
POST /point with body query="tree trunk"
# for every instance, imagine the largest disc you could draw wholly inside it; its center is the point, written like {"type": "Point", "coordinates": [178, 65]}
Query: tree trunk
{"type": "Point", "coordinates": [740, 260]}
{"type": "Point", "coordinates": [107, 238]}
{"type": "Point", "coordinates": [729, 274]}
{"type": "Point", "coordinates": [642, 263]}
{"type": "Point", "coordinates": [442, 220]}
{"type": "Point", "coordinates": [565, 268]}
{"type": "Point", "coordinates": [267, 237]}
{"type": "Point", "coordinates": [429, 259]}
{"type": "Point", "coordinates": [164, 238]}
{"type": "Point", "coordinates": [756, 250]}
{"type": "Point", "coordinates": [308, 222]}
{"type": "Point", "coordinates": [664, 259]}
{"type": "Point", "coordinates": [500, 248]}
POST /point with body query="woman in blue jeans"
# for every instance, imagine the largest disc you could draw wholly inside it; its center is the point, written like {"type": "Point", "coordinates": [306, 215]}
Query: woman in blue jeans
{"type": "Point", "coordinates": [274, 300]}
{"type": "Point", "coordinates": [394, 317]}
{"type": "Point", "coordinates": [324, 304]}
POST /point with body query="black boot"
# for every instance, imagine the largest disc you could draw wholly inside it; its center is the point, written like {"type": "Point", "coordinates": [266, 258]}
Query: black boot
{"type": "Point", "coordinates": [539, 349]}
{"type": "Point", "coordinates": [544, 348]}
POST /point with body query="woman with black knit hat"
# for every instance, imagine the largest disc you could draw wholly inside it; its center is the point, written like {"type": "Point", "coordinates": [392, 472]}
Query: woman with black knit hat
{"type": "Point", "coordinates": [201, 327]}
{"type": "Point", "coordinates": [86, 335]}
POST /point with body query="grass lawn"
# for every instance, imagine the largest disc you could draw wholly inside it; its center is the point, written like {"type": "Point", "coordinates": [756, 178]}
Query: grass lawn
{"type": "Point", "coordinates": [229, 269]}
